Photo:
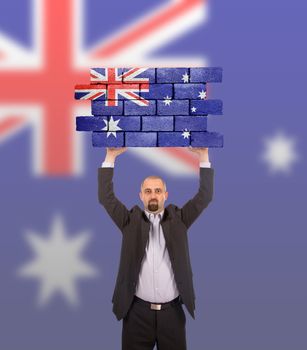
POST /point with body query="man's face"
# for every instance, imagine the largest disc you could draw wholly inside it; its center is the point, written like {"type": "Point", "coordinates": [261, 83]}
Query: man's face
{"type": "Point", "coordinates": [153, 195]}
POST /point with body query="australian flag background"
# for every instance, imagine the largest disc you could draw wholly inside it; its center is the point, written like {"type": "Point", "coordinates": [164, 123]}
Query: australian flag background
{"type": "Point", "coordinates": [59, 251]}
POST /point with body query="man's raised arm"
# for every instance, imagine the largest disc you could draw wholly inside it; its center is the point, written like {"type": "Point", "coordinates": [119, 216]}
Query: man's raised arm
{"type": "Point", "coordinates": [114, 207]}
{"type": "Point", "coordinates": [192, 209]}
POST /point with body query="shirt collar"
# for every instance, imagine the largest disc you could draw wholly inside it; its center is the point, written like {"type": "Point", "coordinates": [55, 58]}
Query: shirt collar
{"type": "Point", "coordinates": [149, 213]}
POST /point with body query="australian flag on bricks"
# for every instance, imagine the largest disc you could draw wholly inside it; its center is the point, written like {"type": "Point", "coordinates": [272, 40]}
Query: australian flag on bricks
{"type": "Point", "coordinates": [150, 107]}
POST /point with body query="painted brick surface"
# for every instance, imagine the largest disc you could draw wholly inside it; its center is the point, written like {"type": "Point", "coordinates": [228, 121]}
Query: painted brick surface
{"type": "Point", "coordinates": [196, 123]}
{"type": "Point", "coordinates": [99, 108]}
{"type": "Point", "coordinates": [158, 92]}
{"type": "Point", "coordinates": [132, 108]}
{"type": "Point", "coordinates": [150, 107]}
{"type": "Point", "coordinates": [207, 139]}
{"type": "Point", "coordinates": [172, 139]}
{"type": "Point", "coordinates": [149, 73]}
{"type": "Point", "coordinates": [91, 123]}
{"type": "Point", "coordinates": [189, 91]}
{"type": "Point", "coordinates": [158, 123]}
{"type": "Point", "coordinates": [141, 139]}
{"type": "Point", "coordinates": [171, 75]}
{"type": "Point", "coordinates": [175, 107]}
{"type": "Point", "coordinates": [101, 139]}
{"type": "Point", "coordinates": [204, 107]}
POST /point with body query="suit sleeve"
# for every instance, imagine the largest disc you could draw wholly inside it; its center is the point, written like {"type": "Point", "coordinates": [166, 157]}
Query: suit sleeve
{"type": "Point", "coordinates": [193, 208]}
{"type": "Point", "coordinates": [114, 207]}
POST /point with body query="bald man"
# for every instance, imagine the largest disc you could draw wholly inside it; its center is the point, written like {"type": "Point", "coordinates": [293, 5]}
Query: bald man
{"type": "Point", "coordinates": [155, 276]}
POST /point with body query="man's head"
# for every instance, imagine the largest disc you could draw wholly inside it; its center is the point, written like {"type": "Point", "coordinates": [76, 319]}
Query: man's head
{"type": "Point", "coordinates": [153, 194]}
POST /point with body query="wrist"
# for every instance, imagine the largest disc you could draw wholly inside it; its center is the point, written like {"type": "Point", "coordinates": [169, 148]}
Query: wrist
{"type": "Point", "coordinates": [204, 158]}
{"type": "Point", "coordinates": [110, 159]}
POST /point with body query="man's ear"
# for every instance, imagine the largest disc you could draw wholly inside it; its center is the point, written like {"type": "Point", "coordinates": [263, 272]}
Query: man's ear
{"type": "Point", "coordinates": [141, 197]}
{"type": "Point", "coordinates": [165, 195]}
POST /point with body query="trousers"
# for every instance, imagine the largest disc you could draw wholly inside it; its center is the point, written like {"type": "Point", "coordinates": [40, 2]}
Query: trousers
{"type": "Point", "coordinates": [143, 328]}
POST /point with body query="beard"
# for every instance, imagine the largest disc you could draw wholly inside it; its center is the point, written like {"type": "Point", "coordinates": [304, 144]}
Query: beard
{"type": "Point", "coordinates": [153, 205]}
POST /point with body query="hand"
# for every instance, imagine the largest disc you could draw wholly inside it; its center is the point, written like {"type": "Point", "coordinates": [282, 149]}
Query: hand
{"type": "Point", "coordinates": [203, 153]}
{"type": "Point", "coordinates": [113, 152]}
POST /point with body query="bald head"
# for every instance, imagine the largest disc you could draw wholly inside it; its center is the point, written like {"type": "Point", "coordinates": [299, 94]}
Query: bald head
{"type": "Point", "coordinates": [153, 177]}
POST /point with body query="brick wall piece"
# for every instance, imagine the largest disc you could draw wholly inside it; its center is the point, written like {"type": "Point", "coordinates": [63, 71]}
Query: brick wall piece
{"type": "Point", "coordinates": [96, 72]}
{"type": "Point", "coordinates": [158, 92]}
{"type": "Point", "coordinates": [101, 139]}
{"type": "Point", "coordinates": [206, 75]}
{"type": "Point", "coordinates": [172, 139]}
{"type": "Point", "coordinates": [188, 91]}
{"type": "Point", "coordinates": [99, 108]}
{"type": "Point", "coordinates": [115, 92]}
{"type": "Point", "coordinates": [207, 139]}
{"type": "Point", "coordinates": [141, 139]}
{"type": "Point", "coordinates": [158, 123]}
{"type": "Point", "coordinates": [204, 107]}
{"type": "Point", "coordinates": [132, 108]}
{"type": "Point", "coordinates": [149, 73]}
{"type": "Point", "coordinates": [90, 91]}
{"type": "Point", "coordinates": [192, 123]}
{"type": "Point", "coordinates": [90, 123]}
{"type": "Point", "coordinates": [129, 123]}
{"type": "Point", "coordinates": [171, 75]}
{"type": "Point", "coordinates": [176, 107]}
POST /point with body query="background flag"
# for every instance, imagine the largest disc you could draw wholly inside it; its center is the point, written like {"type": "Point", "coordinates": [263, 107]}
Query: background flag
{"type": "Point", "coordinates": [59, 251]}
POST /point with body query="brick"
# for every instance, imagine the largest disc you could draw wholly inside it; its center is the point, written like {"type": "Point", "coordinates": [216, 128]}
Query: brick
{"type": "Point", "coordinates": [172, 139]}
{"type": "Point", "coordinates": [132, 108]}
{"type": "Point", "coordinates": [90, 92]}
{"type": "Point", "coordinates": [156, 123]}
{"type": "Point", "coordinates": [96, 72]}
{"type": "Point", "coordinates": [149, 73]}
{"type": "Point", "coordinates": [171, 75]}
{"type": "Point", "coordinates": [176, 107]}
{"type": "Point", "coordinates": [206, 75]}
{"type": "Point", "coordinates": [158, 91]}
{"type": "Point", "coordinates": [141, 139]}
{"type": "Point", "coordinates": [192, 123]}
{"type": "Point", "coordinates": [129, 123]}
{"type": "Point", "coordinates": [115, 92]}
{"type": "Point", "coordinates": [99, 108]}
{"type": "Point", "coordinates": [188, 91]}
{"type": "Point", "coordinates": [204, 107]}
{"type": "Point", "coordinates": [90, 123]}
{"type": "Point", "coordinates": [101, 139]}
{"type": "Point", "coordinates": [206, 139]}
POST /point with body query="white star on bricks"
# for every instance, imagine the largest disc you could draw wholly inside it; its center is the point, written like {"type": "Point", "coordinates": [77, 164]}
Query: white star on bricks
{"type": "Point", "coordinates": [186, 134]}
{"type": "Point", "coordinates": [185, 77]}
{"type": "Point", "coordinates": [57, 263]}
{"type": "Point", "coordinates": [167, 101]}
{"type": "Point", "coordinates": [111, 126]}
{"type": "Point", "coordinates": [202, 94]}
{"type": "Point", "coordinates": [280, 153]}
{"type": "Point", "coordinates": [193, 109]}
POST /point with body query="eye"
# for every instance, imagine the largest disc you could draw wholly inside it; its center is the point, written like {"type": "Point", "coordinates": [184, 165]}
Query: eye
{"type": "Point", "coordinates": [158, 190]}
{"type": "Point", "coordinates": [147, 191]}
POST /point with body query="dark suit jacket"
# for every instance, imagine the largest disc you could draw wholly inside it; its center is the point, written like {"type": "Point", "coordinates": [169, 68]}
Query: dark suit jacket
{"type": "Point", "coordinates": [135, 225]}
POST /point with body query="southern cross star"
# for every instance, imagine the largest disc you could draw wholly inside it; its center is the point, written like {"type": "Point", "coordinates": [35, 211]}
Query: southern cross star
{"type": "Point", "coordinates": [57, 263]}
{"type": "Point", "coordinates": [167, 101]}
{"type": "Point", "coordinates": [185, 77]}
{"type": "Point", "coordinates": [111, 126]}
{"type": "Point", "coordinates": [202, 94]}
{"type": "Point", "coordinates": [280, 153]}
{"type": "Point", "coordinates": [186, 134]}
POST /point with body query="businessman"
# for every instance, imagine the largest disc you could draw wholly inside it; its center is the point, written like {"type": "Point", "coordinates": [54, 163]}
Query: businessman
{"type": "Point", "coordinates": [155, 276]}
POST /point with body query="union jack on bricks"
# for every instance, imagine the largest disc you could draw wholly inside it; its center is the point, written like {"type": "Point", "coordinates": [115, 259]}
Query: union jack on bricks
{"type": "Point", "coordinates": [150, 107]}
